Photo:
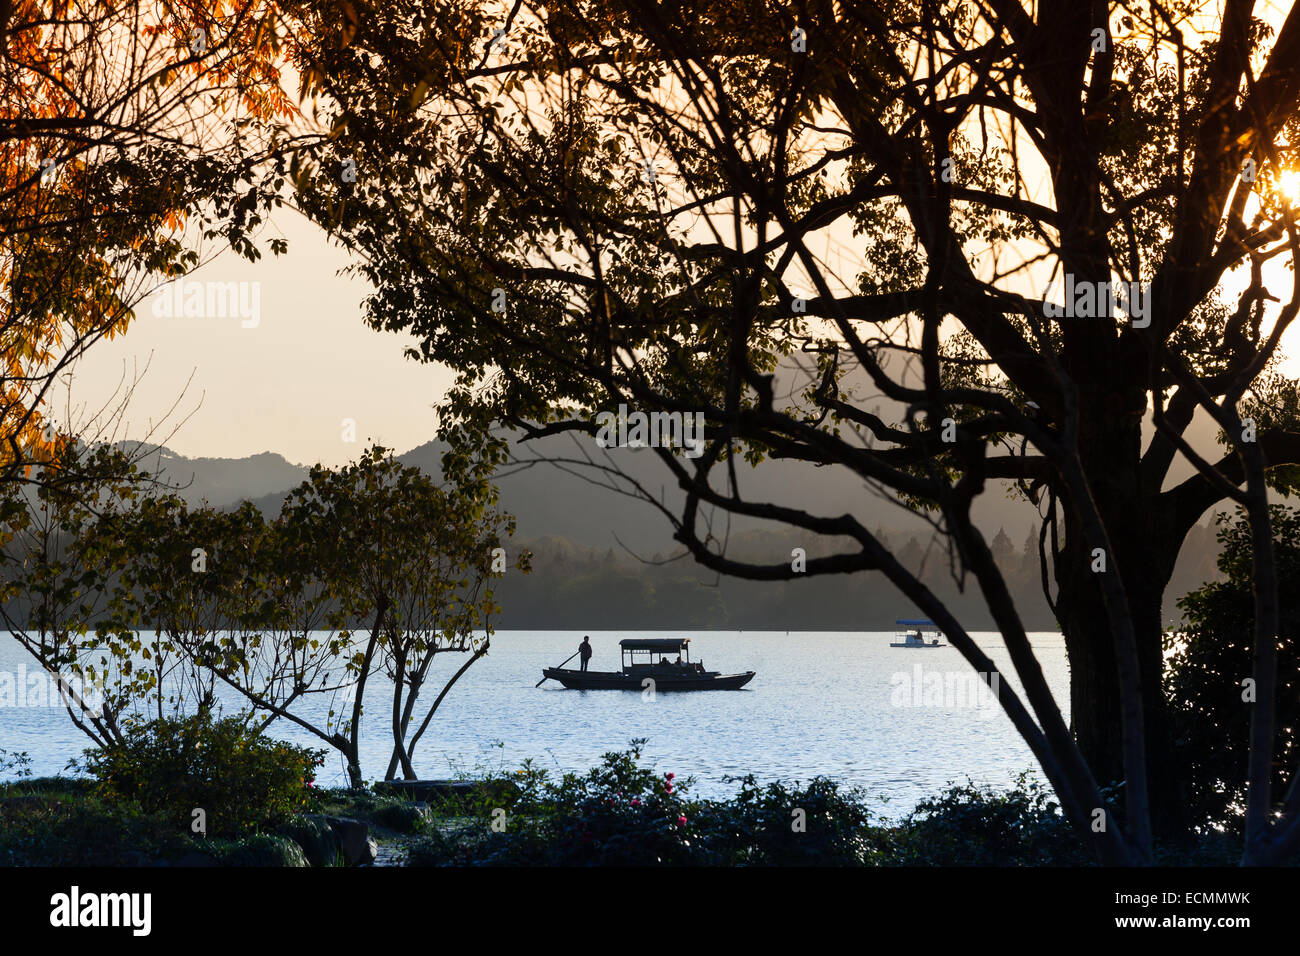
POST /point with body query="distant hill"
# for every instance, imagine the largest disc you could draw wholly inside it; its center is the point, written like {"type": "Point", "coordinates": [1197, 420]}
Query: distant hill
{"type": "Point", "coordinates": [554, 500]}
{"type": "Point", "coordinates": [588, 540]}
{"type": "Point", "coordinates": [219, 481]}
{"type": "Point", "coordinates": [547, 499]}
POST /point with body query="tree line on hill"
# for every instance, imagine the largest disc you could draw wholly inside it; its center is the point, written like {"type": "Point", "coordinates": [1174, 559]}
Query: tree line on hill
{"type": "Point", "coordinates": [572, 586]}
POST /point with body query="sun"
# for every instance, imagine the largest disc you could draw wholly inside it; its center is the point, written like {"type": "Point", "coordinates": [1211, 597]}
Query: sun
{"type": "Point", "coordinates": [1288, 185]}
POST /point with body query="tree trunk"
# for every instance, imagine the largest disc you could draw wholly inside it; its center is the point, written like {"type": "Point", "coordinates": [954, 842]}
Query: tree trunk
{"type": "Point", "coordinates": [1095, 702]}
{"type": "Point", "coordinates": [1144, 553]}
{"type": "Point", "coordinates": [354, 731]}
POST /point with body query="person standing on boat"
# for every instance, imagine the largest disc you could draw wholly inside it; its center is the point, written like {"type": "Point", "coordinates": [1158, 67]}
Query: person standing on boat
{"type": "Point", "coordinates": [584, 650]}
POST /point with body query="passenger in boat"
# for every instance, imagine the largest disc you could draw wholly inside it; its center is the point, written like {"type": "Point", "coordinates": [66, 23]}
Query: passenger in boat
{"type": "Point", "coordinates": [584, 649]}
{"type": "Point", "coordinates": [678, 662]}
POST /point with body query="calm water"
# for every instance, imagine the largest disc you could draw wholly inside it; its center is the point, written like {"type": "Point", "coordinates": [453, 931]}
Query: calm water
{"type": "Point", "coordinates": [831, 704]}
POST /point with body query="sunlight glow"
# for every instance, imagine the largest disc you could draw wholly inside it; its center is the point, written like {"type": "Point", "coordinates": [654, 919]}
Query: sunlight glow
{"type": "Point", "coordinates": [1288, 185]}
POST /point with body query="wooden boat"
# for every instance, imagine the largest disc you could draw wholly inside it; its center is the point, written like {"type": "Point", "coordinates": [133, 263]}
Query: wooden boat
{"type": "Point", "coordinates": [666, 674]}
{"type": "Point", "coordinates": [914, 633]}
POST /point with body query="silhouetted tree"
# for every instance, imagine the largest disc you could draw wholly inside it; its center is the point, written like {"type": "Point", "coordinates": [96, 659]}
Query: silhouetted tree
{"type": "Point", "coordinates": [782, 216]}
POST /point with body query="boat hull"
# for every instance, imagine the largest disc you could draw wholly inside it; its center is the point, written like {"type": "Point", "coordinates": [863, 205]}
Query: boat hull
{"type": "Point", "coordinates": [613, 680]}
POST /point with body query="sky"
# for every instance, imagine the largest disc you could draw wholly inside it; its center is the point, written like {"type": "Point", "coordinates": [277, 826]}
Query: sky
{"type": "Point", "coordinates": [283, 377]}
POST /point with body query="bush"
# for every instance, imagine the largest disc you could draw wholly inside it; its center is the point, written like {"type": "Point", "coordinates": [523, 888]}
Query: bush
{"type": "Point", "coordinates": [261, 850]}
{"type": "Point", "coordinates": [1210, 654]}
{"type": "Point", "coordinates": [774, 825]}
{"type": "Point", "coordinates": [48, 828]}
{"type": "Point", "coordinates": [319, 843]}
{"type": "Point", "coordinates": [244, 781]}
{"type": "Point", "coordinates": [402, 817]}
{"type": "Point", "coordinates": [67, 786]}
{"type": "Point", "coordinates": [617, 813]}
{"type": "Point", "coordinates": [973, 826]}
{"type": "Point", "coordinates": [623, 814]}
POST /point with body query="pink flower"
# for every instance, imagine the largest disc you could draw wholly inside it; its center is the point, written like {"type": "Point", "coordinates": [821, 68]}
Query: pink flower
{"type": "Point", "coordinates": [681, 821]}
{"type": "Point", "coordinates": [669, 776]}
{"type": "Point", "coordinates": [636, 801]}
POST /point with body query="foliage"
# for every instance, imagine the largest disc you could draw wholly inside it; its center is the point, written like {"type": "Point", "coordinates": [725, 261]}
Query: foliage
{"type": "Point", "coordinates": [241, 779]}
{"type": "Point", "coordinates": [397, 568]}
{"type": "Point", "coordinates": [258, 849]}
{"type": "Point", "coordinates": [56, 823]}
{"type": "Point", "coordinates": [1209, 660]}
{"type": "Point", "coordinates": [758, 826]}
{"type": "Point", "coordinates": [968, 825]}
{"type": "Point", "coordinates": [108, 186]}
{"type": "Point", "coordinates": [55, 583]}
{"type": "Point", "coordinates": [15, 763]}
{"type": "Point", "coordinates": [623, 814]}
{"type": "Point", "coordinates": [156, 603]}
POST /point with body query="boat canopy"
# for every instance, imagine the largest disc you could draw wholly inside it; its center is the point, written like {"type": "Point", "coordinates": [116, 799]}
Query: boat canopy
{"type": "Point", "coordinates": [655, 644]}
{"type": "Point", "coordinates": [915, 623]}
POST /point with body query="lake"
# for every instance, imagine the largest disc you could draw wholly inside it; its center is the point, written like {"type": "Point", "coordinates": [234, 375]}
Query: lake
{"type": "Point", "coordinates": [900, 723]}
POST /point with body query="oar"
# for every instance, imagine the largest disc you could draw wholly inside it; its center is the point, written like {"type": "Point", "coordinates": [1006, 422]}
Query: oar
{"type": "Point", "coordinates": [562, 663]}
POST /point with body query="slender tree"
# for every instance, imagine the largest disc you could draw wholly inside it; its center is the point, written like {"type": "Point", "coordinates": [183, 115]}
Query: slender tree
{"type": "Point", "coordinates": [56, 582]}
{"type": "Point", "coordinates": [372, 570]}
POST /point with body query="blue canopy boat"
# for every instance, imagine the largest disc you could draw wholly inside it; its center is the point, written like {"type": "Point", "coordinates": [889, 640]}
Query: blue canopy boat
{"type": "Point", "coordinates": [914, 632]}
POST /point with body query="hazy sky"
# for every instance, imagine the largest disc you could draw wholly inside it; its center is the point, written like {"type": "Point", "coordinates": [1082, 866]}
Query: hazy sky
{"type": "Point", "coordinates": [285, 384]}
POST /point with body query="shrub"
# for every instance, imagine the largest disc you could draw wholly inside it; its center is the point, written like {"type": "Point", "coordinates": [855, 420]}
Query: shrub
{"type": "Point", "coordinates": [621, 813]}
{"type": "Point", "coordinates": [65, 786]}
{"type": "Point", "coordinates": [1210, 654]}
{"type": "Point", "coordinates": [260, 850]}
{"type": "Point", "coordinates": [243, 781]}
{"type": "Point", "coordinates": [618, 813]}
{"type": "Point", "coordinates": [775, 825]}
{"type": "Point", "coordinates": [968, 825]}
{"type": "Point", "coordinates": [402, 817]}
{"type": "Point", "coordinates": [49, 828]}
